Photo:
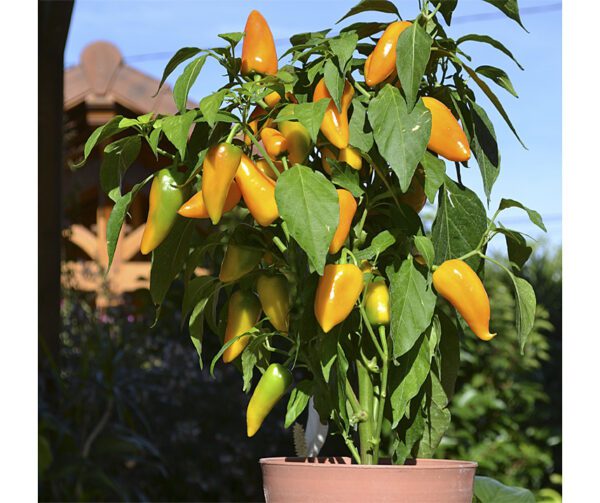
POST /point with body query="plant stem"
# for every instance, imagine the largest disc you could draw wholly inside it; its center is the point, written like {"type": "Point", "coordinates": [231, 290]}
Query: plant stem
{"type": "Point", "coordinates": [382, 394]}
{"type": "Point", "coordinates": [285, 163]}
{"type": "Point", "coordinates": [365, 429]}
{"type": "Point", "coordinates": [279, 244]}
{"type": "Point", "coordinates": [352, 448]}
{"type": "Point", "coordinates": [261, 149]}
{"type": "Point", "coordinates": [232, 133]}
{"type": "Point", "coordinates": [362, 90]}
{"type": "Point", "coordinates": [371, 333]}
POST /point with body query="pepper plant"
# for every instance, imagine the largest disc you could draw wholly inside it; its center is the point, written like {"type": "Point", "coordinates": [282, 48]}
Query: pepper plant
{"type": "Point", "coordinates": [322, 268]}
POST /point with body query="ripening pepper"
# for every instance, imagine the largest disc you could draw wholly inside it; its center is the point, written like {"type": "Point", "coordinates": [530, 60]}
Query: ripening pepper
{"type": "Point", "coordinates": [196, 208]}
{"type": "Point", "coordinates": [165, 199]}
{"type": "Point", "coordinates": [326, 153]}
{"type": "Point", "coordinates": [447, 137]}
{"type": "Point", "coordinates": [218, 170]}
{"type": "Point", "coordinates": [377, 302]}
{"type": "Point", "coordinates": [273, 293]}
{"type": "Point", "coordinates": [381, 63]}
{"type": "Point", "coordinates": [265, 167]}
{"type": "Point", "coordinates": [258, 51]}
{"type": "Point", "coordinates": [298, 140]}
{"type": "Point", "coordinates": [335, 124]}
{"type": "Point", "coordinates": [243, 313]}
{"type": "Point", "coordinates": [258, 192]}
{"type": "Point", "coordinates": [255, 117]}
{"type": "Point", "coordinates": [459, 284]}
{"type": "Point", "coordinates": [347, 211]}
{"type": "Point", "coordinates": [415, 195]}
{"type": "Point", "coordinates": [274, 142]}
{"type": "Point", "coordinates": [272, 386]}
{"type": "Point", "coordinates": [238, 261]}
{"type": "Point", "coordinates": [337, 292]}
{"type": "Point", "coordinates": [351, 156]}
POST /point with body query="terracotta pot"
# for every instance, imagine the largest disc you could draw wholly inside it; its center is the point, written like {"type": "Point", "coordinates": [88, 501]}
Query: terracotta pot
{"type": "Point", "coordinates": [312, 480]}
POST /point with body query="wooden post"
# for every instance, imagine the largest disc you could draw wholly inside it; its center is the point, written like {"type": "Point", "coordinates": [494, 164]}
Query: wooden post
{"type": "Point", "coordinates": [53, 25]}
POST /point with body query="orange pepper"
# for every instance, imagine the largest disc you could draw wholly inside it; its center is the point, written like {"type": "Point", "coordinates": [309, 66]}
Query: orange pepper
{"type": "Point", "coordinates": [195, 207]}
{"type": "Point", "coordinates": [351, 156]}
{"type": "Point", "coordinates": [258, 192]}
{"type": "Point", "coordinates": [335, 125]}
{"type": "Point", "coordinates": [381, 63]}
{"type": "Point", "coordinates": [347, 211]}
{"type": "Point", "coordinates": [266, 168]}
{"type": "Point", "coordinates": [447, 137]}
{"type": "Point", "coordinates": [258, 51]}
{"type": "Point", "coordinates": [274, 142]}
{"type": "Point", "coordinates": [415, 195]}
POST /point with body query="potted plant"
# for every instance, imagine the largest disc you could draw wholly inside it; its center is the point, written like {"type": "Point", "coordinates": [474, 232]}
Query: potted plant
{"type": "Point", "coordinates": [325, 279]}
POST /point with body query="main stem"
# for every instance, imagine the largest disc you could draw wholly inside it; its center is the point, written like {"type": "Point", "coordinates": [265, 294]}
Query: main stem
{"type": "Point", "coordinates": [382, 393]}
{"type": "Point", "coordinates": [365, 428]}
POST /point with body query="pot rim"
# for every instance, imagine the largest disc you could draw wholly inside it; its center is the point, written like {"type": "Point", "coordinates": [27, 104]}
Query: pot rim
{"type": "Point", "coordinates": [425, 463]}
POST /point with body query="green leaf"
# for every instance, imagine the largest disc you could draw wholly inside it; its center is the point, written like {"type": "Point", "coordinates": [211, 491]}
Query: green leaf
{"type": "Point", "coordinates": [252, 356]}
{"type": "Point", "coordinates": [435, 174]}
{"type": "Point", "coordinates": [425, 247]}
{"type": "Point", "coordinates": [343, 47]}
{"type": "Point", "coordinates": [436, 424]}
{"type": "Point", "coordinates": [154, 139]}
{"type": "Point", "coordinates": [233, 38]}
{"type": "Point", "coordinates": [117, 217]}
{"type": "Point", "coordinates": [488, 490]}
{"type": "Point", "coordinates": [364, 30]}
{"type": "Point", "coordinates": [196, 290]}
{"type": "Point", "coordinates": [180, 56]}
{"type": "Point", "coordinates": [485, 148]}
{"type": "Point", "coordinates": [327, 354]}
{"type": "Point", "coordinates": [198, 346]}
{"type": "Point", "coordinates": [534, 216]}
{"type": "Point", "coordinates": [371, 6]}
{"type": "Point", "coordinates": [185, 82]}
{"type": "Point", "coordinates": [412, 304]}
{"type": "Point", "coordinates": [508, 7]}
{"type": "Point", "coordinates": [210, 106]}
{"type": "Point", "coordinates": [310, 115]}
{"type": "Point", "coordinates": [494, 99]}
{"type": "Point", "coordinates": [378, 245]}
{"type": "Point", "coordinates": [298, 401]}
{"type": "Point", "coordinates": [177, 129]}
{"type": "Point", "coordinates": [346, 177]}
{"type": "Point", "coordinates": [334, 83]}
{"type": "Point", "coordinates": [446, 9]}
{"type": "Point", "coordinates": [459, 223]}
{"type": "Point", "coordinates": [308, 203]}
{"type": "Point", "coordinates": [449, 354]}
{"type": "Point", "coordinates": [118, 156]}
{"type": "Point", "coordinates": [168, 259]}
{"type": "Point", "coordinates": [402, 137]}
{"type": "Point", "coordinates": [498, 76]}
{"type": "Point", "coordinates": [525, 309]}
{"type": "Point", "coordinates": [111, 128]}
{"type": "Point", "coordinates": [518, 249]}
{"type": "Point", "coordinates": [486, 39]}
{"type": "Point", "coordinates": [407, 376]}
{"type": "Point", "coordinates": [412, 55]}
{"type": "Point", "coordinates": [361, 135]}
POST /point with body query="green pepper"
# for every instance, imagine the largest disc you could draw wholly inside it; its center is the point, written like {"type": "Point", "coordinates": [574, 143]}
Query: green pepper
{"type": "Point", "coordinates": [272, 386]}
{"type": "Point", "coordinates": [238, 261]}
{"type": "Point", "coordinates": [298, 140]}
{"type": "Point", "coordinates": [165, 200]}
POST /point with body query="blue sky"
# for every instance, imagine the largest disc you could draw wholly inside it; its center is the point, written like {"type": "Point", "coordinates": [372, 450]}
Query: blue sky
{"type": "Point", "coordinates": [148, 32]}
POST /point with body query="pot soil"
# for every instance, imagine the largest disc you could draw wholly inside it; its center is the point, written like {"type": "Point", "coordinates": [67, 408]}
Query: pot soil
{"type": "Point", "coordinates": [316, 480]}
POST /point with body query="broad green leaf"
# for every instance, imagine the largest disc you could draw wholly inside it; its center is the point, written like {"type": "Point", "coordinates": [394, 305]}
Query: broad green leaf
{"type": "Point", "coordinates": [168, 259]}
{"type": "Point", "coordinates": [371, 6]}
{"type": "Point", "coordinates": [233, 38]}
{"type": "Point", "coordinates": [334, 83]}
{"type": "Point", "coordinates": [343, 47]}
{"type": "Point", "coordinates": [298, 401]}
{"type": "Point", "coordinates": [437, 422]}
{"type": "Point", "coordinates": [185, 82]}
{"type": "Point", "coordinates": [449, 354]}
{"type": "Point", "coordinates": [425, 247]}
{"type": "Point", "coordinates": [378, 245]}
{"type": "Point", "coordinates": [435, 173]}
{"type": "Point", "coordinates": [310, 115]}
{"type": "Point", "coordinates": [402, 137]}
{"type": "Point", "coordinates": [486, 39]}
{"type": "Point", "coordinates": [118, 156]}
{"type": "Point", "coordinates": [154, 139]}
{"type": "Point", "coordinates": [488, 490]}
{"type": "Point", "coordinates": [494, 99]}
{"type": "Point", "coordinates": [459, 223]}
{"type": "Point", "coordinates": [412, 55]}
{"type": "Point", "coordinates": [308, 203]}
{"type": "Point", "coordinates": [533, 215]}
{"type": "Point", "coordinates": [196, 290]}
{"type": "Point", "coordinates": [210, 105]}
{"type": "Point", "coordinates": [177, 129]}
{"type": "Point", "coordinates": [498, 76]}
{"type": "Point", "coordinates": [346, 177]}
{"type": "Point", "coordinates": [111, 128]}
{"type": "Point", "coordinates": [508, 7]}
{"type": "Point", "coordinates": [518, 249]}
{"type": "Point", "coordinates": [412, 303]}
{"type": "Point", "coordinates": [361, 135]}
{"type": "Point", "coordinates": [407, 376]}
{"type": "Point", "coordinates": [180, 56]}
{"type": "Point", "coordinates": [117, 217]}
{"type": "Point", "coordinates": [485, 148]}
{"type": "Point", "coordinates": [525, 309]}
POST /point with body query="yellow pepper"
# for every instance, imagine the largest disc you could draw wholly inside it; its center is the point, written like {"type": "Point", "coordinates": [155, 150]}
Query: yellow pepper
{"type": "Point", "coordinates": [381, 63]}
{"type": "Point", "coordinates": [243, 313]}
{"type": "Point", "coordinates": [447, 137]}
{"type": "Point", "coordinates": [196, 208]}
{"type": "Point", "coordinates": [258, 192]}
{"type": "Point", "coordinates": [273, 293]}
{"type": "Point", "coordinates": [335, 124]}
{"type": "Point", "coordinates": [347, 211]}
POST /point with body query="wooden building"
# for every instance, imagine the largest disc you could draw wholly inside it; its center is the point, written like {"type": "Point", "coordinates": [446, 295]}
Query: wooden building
{"type": "Point", "coordinates": [100, 87]}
